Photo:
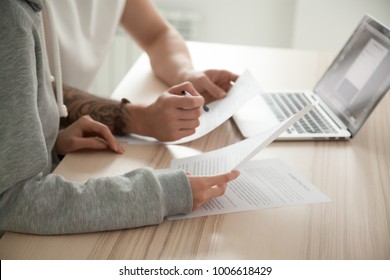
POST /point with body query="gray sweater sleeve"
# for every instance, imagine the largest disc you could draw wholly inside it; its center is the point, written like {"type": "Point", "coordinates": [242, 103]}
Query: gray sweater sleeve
{"type": "Point", "coordinates": [32, 200]}
{"type": "Point", "coordinates": [51, 205]}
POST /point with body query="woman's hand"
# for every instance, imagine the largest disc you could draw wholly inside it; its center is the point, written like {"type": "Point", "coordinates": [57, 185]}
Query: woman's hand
{"type": "Point", "coordinates": [86, 133]}
{"type": "Point", "coordinates": [205, 188]}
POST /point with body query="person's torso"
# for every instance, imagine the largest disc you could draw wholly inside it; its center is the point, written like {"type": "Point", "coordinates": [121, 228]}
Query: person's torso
{"type": "Point", "coordinates": [85, 31]}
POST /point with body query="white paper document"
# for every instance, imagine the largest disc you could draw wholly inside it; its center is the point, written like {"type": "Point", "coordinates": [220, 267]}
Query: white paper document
{"type": "Point", "coordinates": [234, 156]}
{"type": "Point", "coordinates": [262, 184]}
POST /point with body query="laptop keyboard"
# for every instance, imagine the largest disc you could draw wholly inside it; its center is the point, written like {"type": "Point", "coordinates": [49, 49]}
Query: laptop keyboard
{"type": "Point", "coordinates": [285, 105]}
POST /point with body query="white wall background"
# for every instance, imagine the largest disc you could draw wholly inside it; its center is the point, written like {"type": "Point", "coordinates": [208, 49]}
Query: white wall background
{"type": "Point", "coordinates": [249, 22]}
{"type": "Point", "coordinates": [327, 24]}
{"type": "Point", "coordinates": [302, 24]}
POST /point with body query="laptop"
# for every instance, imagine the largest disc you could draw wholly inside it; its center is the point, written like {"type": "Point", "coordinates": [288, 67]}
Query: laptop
{"type": "Point", "coordinates": [347, 93]}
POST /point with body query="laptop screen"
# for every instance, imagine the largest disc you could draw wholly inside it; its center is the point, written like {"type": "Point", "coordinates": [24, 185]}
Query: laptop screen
{"type": "Point", "coordinates": [359, 76]}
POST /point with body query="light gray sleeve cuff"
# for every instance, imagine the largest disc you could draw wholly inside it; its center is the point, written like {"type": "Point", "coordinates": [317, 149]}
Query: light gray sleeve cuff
{"type": "Point", "coordinates": [177, 193]}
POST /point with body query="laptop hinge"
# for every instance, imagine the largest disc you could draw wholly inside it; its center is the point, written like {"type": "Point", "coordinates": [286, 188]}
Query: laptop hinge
{"type": "Point", "coordinates": [329, 112]}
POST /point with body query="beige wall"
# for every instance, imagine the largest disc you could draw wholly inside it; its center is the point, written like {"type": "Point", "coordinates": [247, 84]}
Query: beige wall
{"type": "Point", "coordinates": [302, 24]}
{"type": "Point", "coordinates": [307, 24]}
{"type": "Point", "coordinates": [248, 22]}
{"type": "Point", "coordinates": [327, 24]}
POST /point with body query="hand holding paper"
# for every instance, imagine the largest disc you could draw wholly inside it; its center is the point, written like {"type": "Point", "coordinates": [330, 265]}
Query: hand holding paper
{"type": "Point", "coordinates": [245, 88]}
{"type": "Point", "coordinates": [262, 184]}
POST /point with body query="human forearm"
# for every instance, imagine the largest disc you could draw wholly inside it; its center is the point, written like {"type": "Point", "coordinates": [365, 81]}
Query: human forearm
{"type": "Point", "coordinates": [170, 58]}
{"type": "Point", "coordinates": [106, 111]}
{"type": "Point", "coordinates": [164, 119]}
{"type": "Point", "coordinates": [120, 117]}
{"type": "Point", "coordinates": [52, 205]}
{"type": "Point", "coordinates": [165, 46]}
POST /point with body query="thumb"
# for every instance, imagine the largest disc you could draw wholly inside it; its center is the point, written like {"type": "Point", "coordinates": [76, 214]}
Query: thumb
{"type": "Point", "coordinates": [223, 178]}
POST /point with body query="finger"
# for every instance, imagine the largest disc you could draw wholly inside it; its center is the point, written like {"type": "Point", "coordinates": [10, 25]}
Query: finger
{"type": "Point", "coordinates": [182, 101]}
{"type": "Point", "coordinates": [218, 190]}
{"type": "Point", "coordinates": [188, 124]}
{"type": "Point", "coordinates": [233, 76]}
{"type": "Point", "coordinates": [211, 193]}
{"type": "Point", "coordinates": [222, 78]}
{"type": "Point", "coordinates": [177, 128]}
{"type": "Point", "coordinates": [222, 178]}
{"type": "Point", "coordinates": [189, 102]}
{"type": "Point", "coordinates": [94, 143]}
{"type": "Point", "coordinates": [189, 114]}
{"type": "Point", "coordinates": [213, 89]}
{"type": "Point", "coordinates": [186, 86]}
{"type": "Point", "coordinates": [230, 82]}
{"type": "Point", "coordinates": [218, 187]}
{"type": "Point", "coordinates": [104, 132]}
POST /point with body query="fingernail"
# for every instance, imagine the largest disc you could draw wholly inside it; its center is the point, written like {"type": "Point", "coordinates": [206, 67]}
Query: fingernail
{"type": "Point", "coordinates": [119, 149]}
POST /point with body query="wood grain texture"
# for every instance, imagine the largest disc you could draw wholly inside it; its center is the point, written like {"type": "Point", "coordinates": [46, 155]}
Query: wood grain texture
{"type": "Point", "coordinates": [355, 174]}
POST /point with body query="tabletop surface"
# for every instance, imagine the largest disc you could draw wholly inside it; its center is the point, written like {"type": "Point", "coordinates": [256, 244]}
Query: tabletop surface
{"type": "Point", "coordinates": [354, 174]}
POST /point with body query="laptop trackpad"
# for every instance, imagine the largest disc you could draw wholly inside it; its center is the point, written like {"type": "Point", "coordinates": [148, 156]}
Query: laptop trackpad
{"type": "Point", "coordinates": [254, 117]}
